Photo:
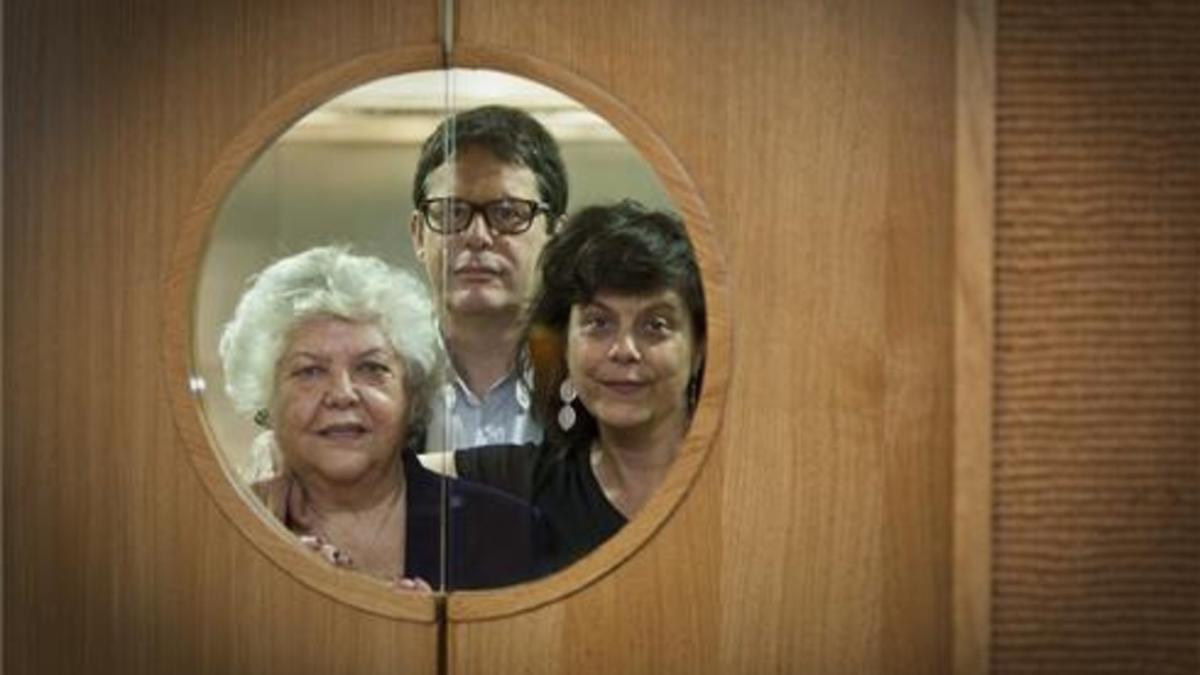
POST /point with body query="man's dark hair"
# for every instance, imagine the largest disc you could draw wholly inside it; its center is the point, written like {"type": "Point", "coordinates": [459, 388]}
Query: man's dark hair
{"type": "Point", "coordinates": [510, 134]}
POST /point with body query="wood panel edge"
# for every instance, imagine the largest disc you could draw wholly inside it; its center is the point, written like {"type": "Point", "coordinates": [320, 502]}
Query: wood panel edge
{"type": "Point", "coordinates": [973, 335]}
{"type": "Point", "coordinates": [3, 353]}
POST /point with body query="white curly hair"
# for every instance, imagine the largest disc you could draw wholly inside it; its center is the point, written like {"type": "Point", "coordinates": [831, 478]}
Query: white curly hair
{"type": "Point", "coordinates": [329, 281]}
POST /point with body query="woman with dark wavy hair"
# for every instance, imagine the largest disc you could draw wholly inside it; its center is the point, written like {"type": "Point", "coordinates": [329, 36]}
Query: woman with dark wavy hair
{"type": "Point", "coordinates": [616, 344]}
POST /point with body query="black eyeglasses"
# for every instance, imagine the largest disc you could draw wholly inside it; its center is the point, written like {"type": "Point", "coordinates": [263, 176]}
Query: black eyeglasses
{"type": "Point", "coordinates": [450, 215]}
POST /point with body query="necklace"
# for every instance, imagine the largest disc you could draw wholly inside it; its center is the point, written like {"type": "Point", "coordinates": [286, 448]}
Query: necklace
{"type": "Point", "coordinates": [353, 540]}
{"type": "Point", "coordinates": [609, 481]}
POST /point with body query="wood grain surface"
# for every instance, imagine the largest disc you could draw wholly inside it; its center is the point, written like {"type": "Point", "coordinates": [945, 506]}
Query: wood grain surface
{"type": "Point", "coordinates": [835, 525]}
{"type": "Point", "coordinates": [821, 135]}
{"type": "Point", "coordinates": [178, 344]}
{"type": "Point", "coordinates": [1097, 455]}
{"type": "Point", "coordinates": [718, 357]}
{"type": "Point", "coordinates": [974, 327]}
{"type": "Point", "coordinates": [116, 558]}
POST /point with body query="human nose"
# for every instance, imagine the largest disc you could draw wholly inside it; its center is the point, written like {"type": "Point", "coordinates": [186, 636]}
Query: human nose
{"type": "Point", "coordinates": [478, 234]}
{"type": "Point", "coordinates": [341, 392]}
{"type": "Point", "coordinates": [624, 348]}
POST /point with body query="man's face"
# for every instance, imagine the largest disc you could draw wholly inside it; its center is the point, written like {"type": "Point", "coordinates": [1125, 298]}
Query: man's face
{"type": "Point", "coordinates": [477, 271]}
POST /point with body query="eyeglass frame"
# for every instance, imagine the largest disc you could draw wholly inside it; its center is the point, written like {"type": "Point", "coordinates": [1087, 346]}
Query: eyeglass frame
{"type": "Point", "coordinates": [476, 209]}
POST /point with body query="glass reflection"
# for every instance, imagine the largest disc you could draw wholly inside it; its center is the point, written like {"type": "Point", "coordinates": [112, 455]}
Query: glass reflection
{"type": "Point", "coordinates": [614, 341]}
{"type": "Point", "coordinates": [336, 355]}
{"type": "Point", "coordinates": [566, 388]}
{"type": "Point", "coordinates": [483, 275]}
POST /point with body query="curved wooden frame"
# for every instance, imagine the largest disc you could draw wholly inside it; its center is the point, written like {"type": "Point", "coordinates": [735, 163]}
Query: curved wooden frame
{"type": "Point", "coordinates": [247, 515]}
{"type": "Point", "coordinates": [178, 308]}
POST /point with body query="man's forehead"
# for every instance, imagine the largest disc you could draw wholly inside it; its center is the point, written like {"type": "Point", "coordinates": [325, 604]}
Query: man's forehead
{"type": "Point", "coordinates": [479, 154]}
{"type": "Point", "coordinates": [481, 168]}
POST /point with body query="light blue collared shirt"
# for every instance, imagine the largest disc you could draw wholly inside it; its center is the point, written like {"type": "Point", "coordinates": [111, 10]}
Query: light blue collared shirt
{"type": "Point", "coordinates": [502, 416]}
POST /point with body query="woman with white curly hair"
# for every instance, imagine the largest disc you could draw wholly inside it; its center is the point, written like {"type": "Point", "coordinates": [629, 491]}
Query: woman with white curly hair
{"type": "Point", "coordinates": [338, 354]}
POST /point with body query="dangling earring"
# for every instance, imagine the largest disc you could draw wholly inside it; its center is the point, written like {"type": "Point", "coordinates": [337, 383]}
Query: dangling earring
{"type": "Point", "coordinates": [693, 393]}
{"type": "Point", "coordinates": [566, 414]}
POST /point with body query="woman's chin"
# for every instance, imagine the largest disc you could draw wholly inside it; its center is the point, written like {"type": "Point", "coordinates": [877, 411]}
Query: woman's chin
{"type": "Point", "coordinates": [622, 417]}
{"type": "Point", "coordinates": [630, 417]}
{"type": "Point", "coordinates": [342, 475]}
{"type": "Point", "coordinates": [347, 467]}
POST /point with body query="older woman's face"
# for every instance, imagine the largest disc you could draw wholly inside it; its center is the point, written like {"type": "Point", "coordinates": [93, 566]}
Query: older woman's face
{"type": "Point", "coordinates": [630, 358]}
{"type": "Point", "coordinates": [339, 408]}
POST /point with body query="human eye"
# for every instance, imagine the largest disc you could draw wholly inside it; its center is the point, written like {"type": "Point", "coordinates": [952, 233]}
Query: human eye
{"type": "Point", "coordinates": [593, 321]}
{"type": "Point", "coordinates": [307, 371]}
{"type": "Point", "coordinates": [436, 209]}
{"type": "Point", "coordinates": [505, 210]}
{"type": "Point", "coordinates": [508, 212]}
{"type": "Point", "coordinates": [447, 214]}
{"type": "Point", "coordinates": [658, 325]}
{"type": "Point", "coordinates": [374, 367]}
{"type": "Point", "coordinates": [454, 214]}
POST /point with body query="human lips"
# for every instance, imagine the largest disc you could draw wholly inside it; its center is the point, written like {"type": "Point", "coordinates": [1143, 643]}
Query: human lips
{"type": "Point", "coordinates": [477, 270]}
{"type": "Point", "coordinates": [624, 387]}
{"type": "Point", "coordinates": [343, 431]}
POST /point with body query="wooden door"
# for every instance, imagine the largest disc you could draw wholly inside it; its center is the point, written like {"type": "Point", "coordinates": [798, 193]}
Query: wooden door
{"type": "Point", "coordinates": [116, 557]}
{"type": "Point", "coordinates": [817, 537]}
{"type": "Point", "coordinates": [820, 137]}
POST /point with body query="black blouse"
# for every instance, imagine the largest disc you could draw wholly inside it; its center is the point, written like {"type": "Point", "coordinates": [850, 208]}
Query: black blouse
{"type": "Point", "coordinates": [561, 487]}
{"type": "Point", "coordinates": [492, 538]}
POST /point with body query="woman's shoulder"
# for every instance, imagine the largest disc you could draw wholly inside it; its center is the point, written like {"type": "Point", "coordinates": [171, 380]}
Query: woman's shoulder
{"type": "Point", "coordinates": [508, 467]}
{"type": "Point", "coordinates": [273, 493]}
{"type": "Point", "coordinates": [495, 537]}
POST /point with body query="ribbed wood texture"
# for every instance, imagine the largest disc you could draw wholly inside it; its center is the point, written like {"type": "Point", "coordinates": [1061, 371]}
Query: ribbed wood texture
{"type": "Point", "coordinates": [1097, 454]}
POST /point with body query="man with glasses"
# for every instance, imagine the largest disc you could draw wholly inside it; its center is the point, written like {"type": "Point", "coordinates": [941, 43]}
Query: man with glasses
{"type": "Point", "coordinates": [490, 188]}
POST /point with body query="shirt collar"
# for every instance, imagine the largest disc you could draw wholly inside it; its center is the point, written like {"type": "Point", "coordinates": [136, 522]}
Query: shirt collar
{"type": "Point", "coordinates": [456, 386]}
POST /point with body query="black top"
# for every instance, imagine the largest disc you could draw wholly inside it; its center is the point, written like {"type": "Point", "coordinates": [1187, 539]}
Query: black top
{"type": "Point", "coordinates": [492, 538]}
{"type": "Point", "coordinates": [563, 489]}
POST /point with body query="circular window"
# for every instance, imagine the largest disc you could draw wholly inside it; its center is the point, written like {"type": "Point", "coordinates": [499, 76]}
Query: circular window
{"type": "Point", "coordinates": [539, 253]}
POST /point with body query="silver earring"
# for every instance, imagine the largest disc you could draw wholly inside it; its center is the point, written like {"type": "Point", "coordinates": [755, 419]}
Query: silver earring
{"type": "Point", "coordinates": [263, 418]}
{"type": "Point", "coordinates": [566, 414]}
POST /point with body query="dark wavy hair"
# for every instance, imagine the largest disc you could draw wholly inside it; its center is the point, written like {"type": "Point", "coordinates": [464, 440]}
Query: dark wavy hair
{"type": "Point", "coordinates": [622, 248]}
{"type": "Point", "coordinates": [512, 135]}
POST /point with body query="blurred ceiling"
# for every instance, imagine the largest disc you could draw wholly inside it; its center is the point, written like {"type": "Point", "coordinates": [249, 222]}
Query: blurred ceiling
{"type": "Point", "coordinates": [406, 108]}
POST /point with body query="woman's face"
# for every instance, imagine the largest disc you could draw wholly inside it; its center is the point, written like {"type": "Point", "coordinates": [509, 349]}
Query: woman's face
{"type": "Point", "coordinates": [630, 358]}
{"type": "Point", "coordinates": [339, 409]}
